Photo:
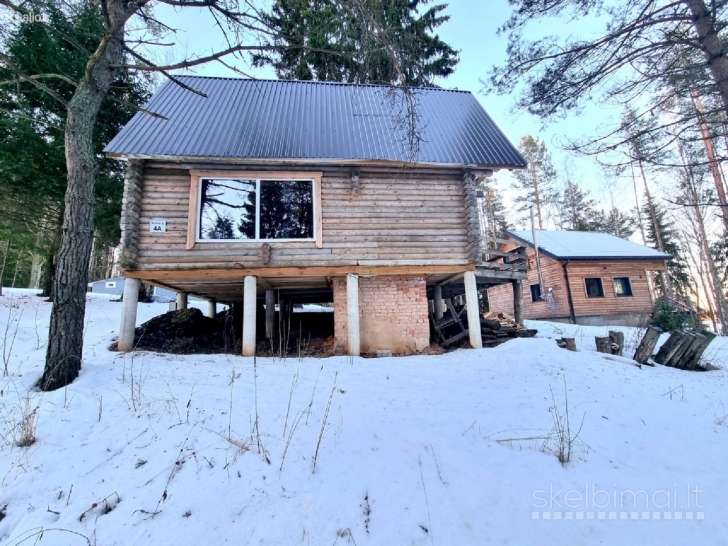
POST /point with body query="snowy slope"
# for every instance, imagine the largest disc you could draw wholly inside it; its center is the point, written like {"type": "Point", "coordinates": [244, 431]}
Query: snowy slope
{"type": "Point", "coordinates": [163, 449]}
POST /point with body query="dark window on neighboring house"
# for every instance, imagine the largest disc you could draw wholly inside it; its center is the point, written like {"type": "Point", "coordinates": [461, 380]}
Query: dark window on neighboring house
{"type": "Point", "coordinates": [622, 286]}
{"type": "Point", "coordinates": [259, 210]}
{"type": "Point", "coordinates": [536, 292]}
{"type": "Point", "coordinates": [594, 287]}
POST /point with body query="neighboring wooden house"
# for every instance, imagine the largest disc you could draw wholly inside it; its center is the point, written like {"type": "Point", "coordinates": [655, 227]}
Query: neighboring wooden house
{"type": "Point", "coordinates": [588, 278]}
{"type": "Point", "coordinates": [277, 192]}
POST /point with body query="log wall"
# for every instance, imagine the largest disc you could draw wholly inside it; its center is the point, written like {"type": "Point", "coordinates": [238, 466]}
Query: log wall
{"type": "Point", "coordinates": [391, 217]}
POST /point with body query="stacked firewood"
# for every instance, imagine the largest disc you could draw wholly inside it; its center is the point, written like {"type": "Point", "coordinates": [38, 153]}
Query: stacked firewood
{"type": "Point", "coordinates": [497, 327]}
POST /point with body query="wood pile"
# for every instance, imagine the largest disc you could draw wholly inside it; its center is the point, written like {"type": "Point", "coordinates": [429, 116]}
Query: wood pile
{"type": "Point", "coordinates": [684, 349]}
{"type": "Point", "coordinates": [495, 327]}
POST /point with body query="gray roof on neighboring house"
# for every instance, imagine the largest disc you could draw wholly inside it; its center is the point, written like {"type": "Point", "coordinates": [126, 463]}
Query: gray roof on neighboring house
{"type": "Point", "coordinates": [587, 245]}
{"type": "Point", "coordinates": [301, 120]}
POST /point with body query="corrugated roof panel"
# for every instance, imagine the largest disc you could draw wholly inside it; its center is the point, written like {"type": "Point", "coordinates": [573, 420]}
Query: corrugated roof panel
{"type": "Point", "coordinates": [276, 119]}
{"type": "Point", "coordinates": [588, 245]}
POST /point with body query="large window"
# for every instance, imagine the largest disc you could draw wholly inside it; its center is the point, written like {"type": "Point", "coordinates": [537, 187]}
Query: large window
{"type": "Point", "coordinates": [594, 288]}
{"type": "Point", "coordinates": [238, 209]}
{"type": "Point", "coordinates": [622, 287]}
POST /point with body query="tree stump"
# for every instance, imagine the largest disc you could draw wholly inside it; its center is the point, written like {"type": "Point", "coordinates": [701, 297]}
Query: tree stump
{"type": "Point", "coordinates": [647, 345]}
{"type": "Point", "coordinates": [604, 344]}
{"type": "Point", "coordinates": [670, 346]}
{"type": "Point", "coordinates": [568, 343]}
{"type": "Point", "coordinates": [617, 339]}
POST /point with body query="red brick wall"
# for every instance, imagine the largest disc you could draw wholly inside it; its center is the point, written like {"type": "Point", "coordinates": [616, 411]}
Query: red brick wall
{"type": "Point", "coordinates": [392, 314]}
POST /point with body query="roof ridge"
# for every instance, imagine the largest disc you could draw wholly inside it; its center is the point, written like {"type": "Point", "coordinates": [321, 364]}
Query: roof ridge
{"type": "Point", "coordinates": [318, 82]}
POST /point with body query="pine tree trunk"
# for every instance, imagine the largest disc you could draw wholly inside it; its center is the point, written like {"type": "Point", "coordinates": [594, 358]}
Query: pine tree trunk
{"type": "Point", "coordinates": [712, 158]}
{"type": "Point", "coordinates": [712, 45]}
{"type": "Point", "coordinates": [65, 339]}
{"type": "Point", "coordinates": [664, 275]}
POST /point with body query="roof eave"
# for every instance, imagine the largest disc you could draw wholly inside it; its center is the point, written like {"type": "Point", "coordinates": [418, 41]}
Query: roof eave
{"type": "Point", "coordinates": [304, 161]}
{"type": "Point", "coordinates": [553, 256]}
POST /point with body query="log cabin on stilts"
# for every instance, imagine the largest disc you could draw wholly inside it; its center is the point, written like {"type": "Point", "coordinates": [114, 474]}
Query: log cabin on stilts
{"type": "Point", "coordinates": [263, 194]}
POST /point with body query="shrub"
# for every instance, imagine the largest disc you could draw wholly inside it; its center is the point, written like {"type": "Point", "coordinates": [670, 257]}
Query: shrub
{"type": "Point", "coordinates": [669, 316]}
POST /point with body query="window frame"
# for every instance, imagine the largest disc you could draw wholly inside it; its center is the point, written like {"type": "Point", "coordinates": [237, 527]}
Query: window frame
{"type": "Point", "coordinates": [601, 284]}
{"type": "Point", "coordinates": [195, 207]}
{"type": "Point", "coordinates": [540, 293]}
{"type": "Point", "coordinates": [629, 282]}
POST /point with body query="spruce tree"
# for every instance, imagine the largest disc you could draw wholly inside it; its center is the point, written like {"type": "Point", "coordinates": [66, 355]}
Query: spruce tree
{"type": "Point", "coordinates": [663, 230]}
{"type": "Point", "coordinates": [342, 48]}
{"type": "Point", "coordinates": [493, 209]}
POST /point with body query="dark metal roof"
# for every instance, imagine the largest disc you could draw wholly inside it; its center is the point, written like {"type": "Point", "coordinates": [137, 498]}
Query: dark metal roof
{"type": "Point", "coordinates": [276, 119]}
{"type": "Point", "coordinates": [587, 245]}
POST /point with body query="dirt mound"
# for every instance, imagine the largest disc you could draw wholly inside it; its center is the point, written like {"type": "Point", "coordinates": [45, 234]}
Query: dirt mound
{"type": "Point", "coordinates": [186, 331]}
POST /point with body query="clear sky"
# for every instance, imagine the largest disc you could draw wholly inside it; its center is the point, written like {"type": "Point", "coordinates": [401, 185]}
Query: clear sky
{"type": "Point", "coordinates": [471, 30]}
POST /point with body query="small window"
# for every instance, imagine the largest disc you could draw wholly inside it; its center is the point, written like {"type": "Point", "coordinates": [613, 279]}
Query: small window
{"type": "Point", "coordinates": [243, 209]}
{"type": "Point", "coordinates": [536, 292]}
{"type": "Point", "coordinates": [622, 287]}
{"type": "Point", "coordinates": [594, 288]}
{"type": "Point", "coordinates": [111, 284]}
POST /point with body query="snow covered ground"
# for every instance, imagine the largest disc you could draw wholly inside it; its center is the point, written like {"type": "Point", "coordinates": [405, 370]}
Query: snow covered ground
{"type": "Point", "coordinates": [186, 450]}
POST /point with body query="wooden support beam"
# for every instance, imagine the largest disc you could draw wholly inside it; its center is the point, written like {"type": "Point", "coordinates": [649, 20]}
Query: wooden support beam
{"type": "Point", "coordinates": [471, 299]}
{"type": "Point", "coordinates": [128, 315]}
{"type": "Point", "coordinates": [250, 300]}
{"type": "Point", "coordinates": [352, 315]}
{"type": "Point", "coordinates": [270, 313]}
{"type": "Point", "coordinates": [177, 274]}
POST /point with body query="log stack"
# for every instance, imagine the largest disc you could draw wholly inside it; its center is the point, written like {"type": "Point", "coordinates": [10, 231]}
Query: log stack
{"type": "Point", "coordinates": [497, 327]}
{"type": "Point", "coordinates": [684, 349]}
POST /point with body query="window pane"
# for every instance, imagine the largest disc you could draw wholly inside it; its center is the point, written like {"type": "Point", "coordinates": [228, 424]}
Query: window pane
{"type": "Point", "coordinates": [622, 286]}
{"type": "Point", "coordinates": [536, 292]}
{"type": "Point", "coordinates": [286, 209]}
{"type": "Point", "coordinates": [227, 209]}
{"type": "Point", "coordinates": [594, 288]}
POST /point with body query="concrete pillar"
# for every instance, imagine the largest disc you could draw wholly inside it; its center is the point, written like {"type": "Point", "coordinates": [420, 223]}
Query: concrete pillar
{"type": "Point", "coordinates": [270, 313]}
{"type": "Point", "coordinates": [437, 302]}
{"type": "Point", "coordinates": [352, 314]}
{"type": "Point", "coordinates": [471, 300]}
{"type": "Point", "coordinates": [128, 314]}
{"type": "Point", "coordinates": [211, 308]}
{"type": "Point", "coordinates": [518, 302]}
{"type": "Point", "coordinates": [181, 300]}
{"type": "Point", "coordinates": [249, 309]}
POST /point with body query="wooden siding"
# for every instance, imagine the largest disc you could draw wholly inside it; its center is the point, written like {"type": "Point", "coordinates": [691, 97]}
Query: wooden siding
{"type": "Point", "coordinates": [393, 217]}
{"type": "Point", "coordinates": [501, 297]}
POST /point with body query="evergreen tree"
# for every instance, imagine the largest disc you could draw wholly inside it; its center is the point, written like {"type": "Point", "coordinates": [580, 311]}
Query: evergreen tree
{"type": "Point", "coordinates": [536, 182]}
{"type": "Point", "coordinates": [339, 46]}
{"type": "Point", "coordinates": [663, 229]}
{"type": "Point", "coordinates": [493, 210]}
{"type": "Point", "coordinates": [33, 172]}
{"type": "Point", "coordinates": [615, 222]}
{"type": "Point", "coordinates": [576, 209]}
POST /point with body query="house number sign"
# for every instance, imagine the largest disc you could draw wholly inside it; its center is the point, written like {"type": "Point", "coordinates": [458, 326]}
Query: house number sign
{"type": "Point", "coordinates": [158, 226]}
